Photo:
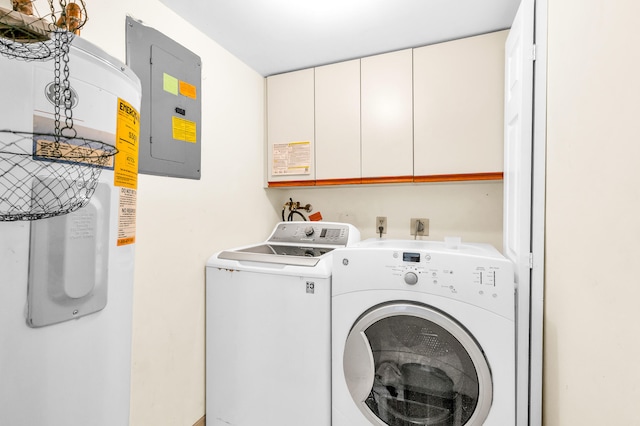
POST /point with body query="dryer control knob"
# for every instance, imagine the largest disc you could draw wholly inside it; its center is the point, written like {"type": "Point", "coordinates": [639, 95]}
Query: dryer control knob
{"type": "Point", "coordinates": [410, 278]}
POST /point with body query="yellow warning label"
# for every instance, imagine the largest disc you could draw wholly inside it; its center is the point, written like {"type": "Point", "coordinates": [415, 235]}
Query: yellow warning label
{"type": "Point", "coordinates": [188, 90]}
{"type": "Point", "coordinates": [184, 130]}
{"type": "Point", "coordinates": [127, 134]}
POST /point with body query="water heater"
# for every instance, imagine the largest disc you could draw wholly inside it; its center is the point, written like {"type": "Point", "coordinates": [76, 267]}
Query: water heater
{"type": "Point", "coordinates": [66, 280]}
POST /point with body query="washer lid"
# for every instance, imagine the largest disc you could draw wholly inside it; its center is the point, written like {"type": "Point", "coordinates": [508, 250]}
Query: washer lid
{"type": "Point", "coordinates": [280, 254]}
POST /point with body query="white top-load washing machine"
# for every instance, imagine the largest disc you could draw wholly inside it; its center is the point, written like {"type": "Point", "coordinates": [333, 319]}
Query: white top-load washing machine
{"type": "Point", "coordinates": [268, 328]}
{"type": "Point", "coordinates": [423, 333]}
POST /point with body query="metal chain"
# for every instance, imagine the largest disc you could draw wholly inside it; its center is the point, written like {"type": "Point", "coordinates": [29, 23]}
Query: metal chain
{"type": "Point", "coordinates": [56, 86]}
{"type": "Point", "coordinates": [53, 12]}
{"type": "Point", "coordinates": [66, 86]}
{"type": "Point", "coordinates": [62, 85]}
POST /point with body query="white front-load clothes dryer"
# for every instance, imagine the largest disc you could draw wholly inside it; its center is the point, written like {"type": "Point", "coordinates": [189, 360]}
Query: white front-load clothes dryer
{"type": "Point", "coordinates": [423, 333]}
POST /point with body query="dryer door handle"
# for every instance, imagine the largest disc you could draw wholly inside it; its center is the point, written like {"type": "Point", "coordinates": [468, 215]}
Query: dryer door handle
{"type": "Point", "coordinates": [359, 366]}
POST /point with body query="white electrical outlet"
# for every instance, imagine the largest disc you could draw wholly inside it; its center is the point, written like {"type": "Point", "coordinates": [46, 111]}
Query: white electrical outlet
{"type": "Point", "coordinates": [419, 226]}
{"type": "Point", "coordinates": [381, 221]}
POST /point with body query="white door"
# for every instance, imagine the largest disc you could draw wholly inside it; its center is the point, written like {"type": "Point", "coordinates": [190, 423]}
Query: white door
{"type": "Point", "coordinates": [387, 114]}
{"type": "Point", "coordinates": [472, 69]}
{"type": "Point", "coordinates": [290, 126]}
{"type": "Point", "coordinates": [337, 120]}
{"type": "Point", "coordinates": [519, 57]}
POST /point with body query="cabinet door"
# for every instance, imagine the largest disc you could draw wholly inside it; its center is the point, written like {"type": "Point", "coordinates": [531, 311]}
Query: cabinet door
{"type": "Point", "coordinates": [459, 106]}
{"type": "Point", "coordinates": [338, 120]}
{"type": "Point", "coordinates": [387, 120]}
{"type": "Point", "coordinates": [290, 126]}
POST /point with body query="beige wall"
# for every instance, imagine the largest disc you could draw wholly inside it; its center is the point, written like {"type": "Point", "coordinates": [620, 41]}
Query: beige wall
{"type": "Point", "coordinates": [471, 210]}
{"type": "Point", "coordinates": [592, 350]}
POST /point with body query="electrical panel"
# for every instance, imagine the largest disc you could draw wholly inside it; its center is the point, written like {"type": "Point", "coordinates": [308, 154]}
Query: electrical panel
{"type": "Point", "coordinates": [170, 116]}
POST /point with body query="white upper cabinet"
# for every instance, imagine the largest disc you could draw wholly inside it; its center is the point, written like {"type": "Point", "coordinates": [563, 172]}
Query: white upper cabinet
{"type": "Point", "coordinates": [387, 128]}
{"type": "Point", "coordinates": [290, 126]}
{"type": "Point", "coordinates": [426, 114]}
{"type": "Point", "coordinates": [337, 117]}
{"type": "Point", "coordinates": [459, 106]}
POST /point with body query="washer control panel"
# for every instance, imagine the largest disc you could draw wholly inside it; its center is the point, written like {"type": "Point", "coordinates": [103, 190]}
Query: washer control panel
{"type": "Point", "coordinates": [329, 233]}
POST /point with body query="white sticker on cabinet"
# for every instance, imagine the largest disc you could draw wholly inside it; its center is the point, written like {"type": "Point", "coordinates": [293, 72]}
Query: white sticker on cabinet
{"type": "Point", "coordinates": [293, 158]}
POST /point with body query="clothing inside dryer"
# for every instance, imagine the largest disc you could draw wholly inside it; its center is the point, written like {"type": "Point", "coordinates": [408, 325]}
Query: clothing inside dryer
{"type": "Point", "coordinates": [423, 374]}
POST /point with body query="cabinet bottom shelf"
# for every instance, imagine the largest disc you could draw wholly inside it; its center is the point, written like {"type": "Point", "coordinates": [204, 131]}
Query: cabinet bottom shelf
{"type": "Point", "coordinates": [460, 177]}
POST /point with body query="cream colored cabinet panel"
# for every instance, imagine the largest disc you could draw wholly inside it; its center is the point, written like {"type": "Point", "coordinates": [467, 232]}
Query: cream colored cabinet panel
{"type": "Point", "coordinates": [337, 98]}
{"type": "Point", "coordinates": [387, 127]}
{"type": "Point", "coordinates": [459, 106]}
{"type": "Point", "coordinates": [290, 126]}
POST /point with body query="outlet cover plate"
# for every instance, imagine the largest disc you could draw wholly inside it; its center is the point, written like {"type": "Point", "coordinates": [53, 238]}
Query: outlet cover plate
{"type": "Point", "coordinates": [414, 225]}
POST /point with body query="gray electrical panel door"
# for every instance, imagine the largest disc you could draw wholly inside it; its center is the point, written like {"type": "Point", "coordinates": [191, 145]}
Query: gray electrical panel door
{"type": "Point", "coordinates": [170, 116]}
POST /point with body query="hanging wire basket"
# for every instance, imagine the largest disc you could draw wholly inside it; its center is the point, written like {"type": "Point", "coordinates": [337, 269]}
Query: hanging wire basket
{"type": "Point", "coordinates": [45, 175]}
{"type": "Point", "coordinates": [26, 34]}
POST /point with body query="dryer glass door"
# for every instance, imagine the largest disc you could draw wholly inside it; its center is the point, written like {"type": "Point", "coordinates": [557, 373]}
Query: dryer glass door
{"type": "Point", "coordinates": [408, 364]}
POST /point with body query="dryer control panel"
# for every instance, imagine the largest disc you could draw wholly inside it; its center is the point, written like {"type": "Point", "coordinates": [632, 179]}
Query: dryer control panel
{"type": "Point", "coordinates": [476, 274]}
